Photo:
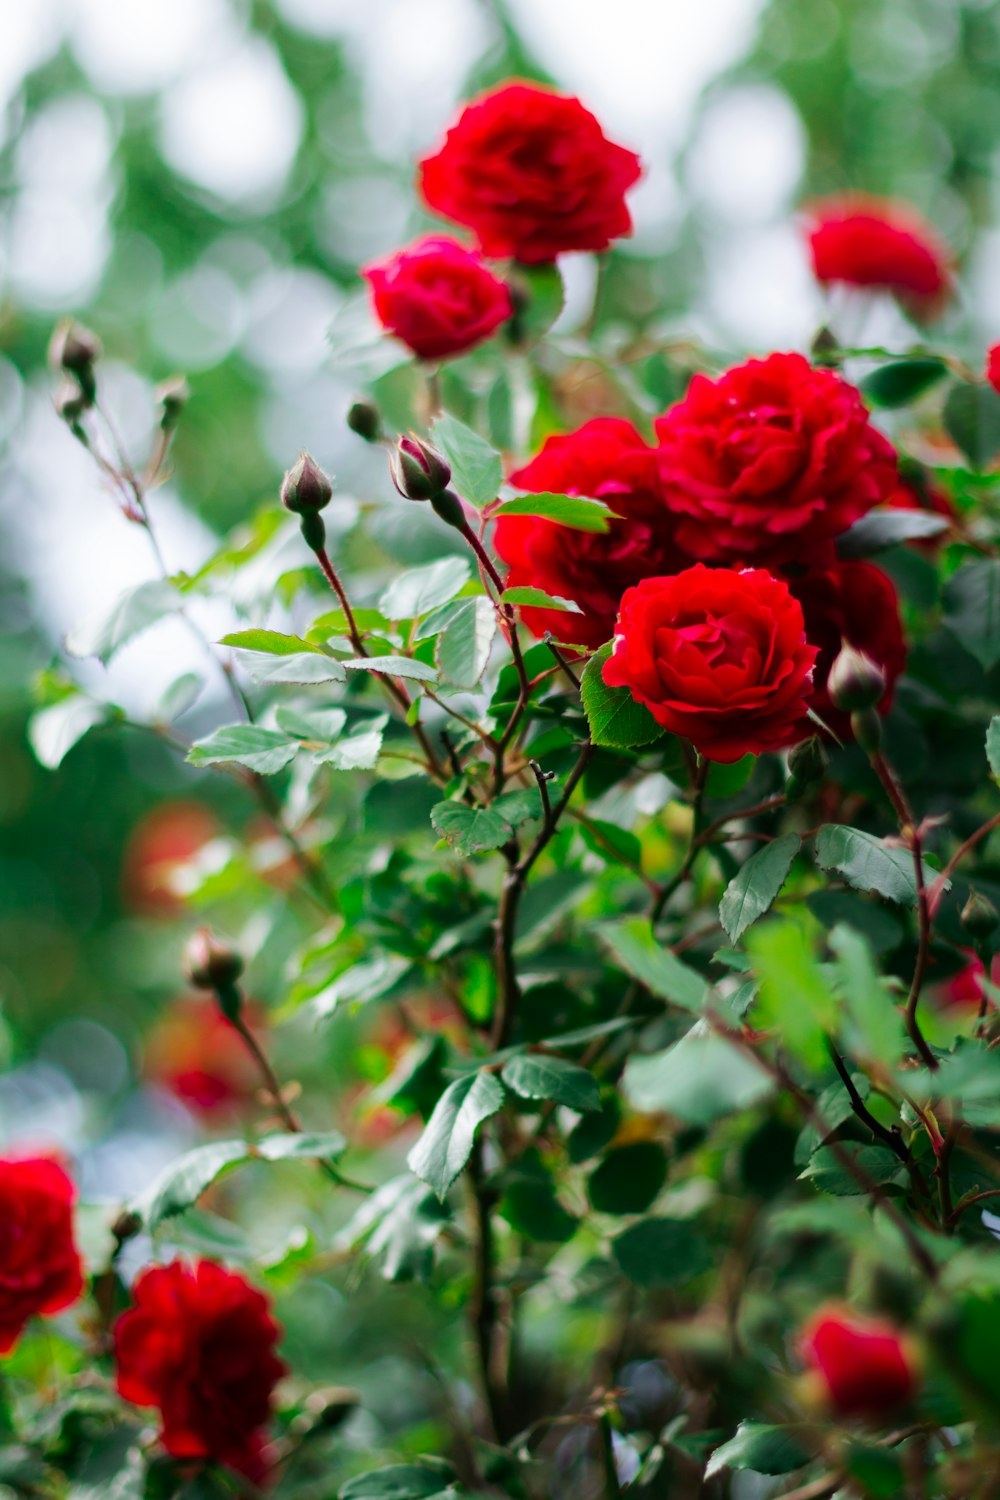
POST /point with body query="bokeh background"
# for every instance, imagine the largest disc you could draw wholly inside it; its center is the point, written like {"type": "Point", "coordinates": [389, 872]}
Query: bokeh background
{"type": "Point", "coordinates": [199, 180]}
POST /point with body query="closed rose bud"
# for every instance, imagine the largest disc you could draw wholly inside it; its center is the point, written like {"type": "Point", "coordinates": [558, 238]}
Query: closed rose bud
{"type": "Point", "coordinates": [71, 403]}
{"type": "Point", "coordinates": [418, 470]}
{"type": "Point", "coordinates": [172, 395]}
{"type": "Point", "coordinates": [74, 348]}
{"type": "Point", "coordinates": [365, 419]}
{"type": "Point", "coordinates": [979, 916]}
{"type": "Point", "coordinates": [210, 964]}
{"type": "Point", "coordinates": [855, 681]}
{"type": "Point", "coordinates": [306, 489]}
{"type": "Point", "coordinates": [864, 1366]}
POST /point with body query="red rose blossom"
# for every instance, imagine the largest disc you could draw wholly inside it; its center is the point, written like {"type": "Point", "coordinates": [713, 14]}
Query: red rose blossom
{"type": "Point", "coordinates": [993, 367]}
{"type": "Point", "coordinates": [605, 459]}
{"type": "Point", "coordinates": [863, 1363]}
{"type": "Point", "coordinates": [199, 1345]}
{"type": "Point", "coordinates": [716, 656]}
{"type": "Point", "coordinates": [874, 242]}
{"type": "Point", "coordinates": [438, 297]}
{"type": "Point", "coordinates": [854, 602]}
{"type": "Point", "coordinates": [770, 462]}
{"type": "Point", "coordinates": [40, 1269]}
{"type": "Point", "coordinates": [532, 174]}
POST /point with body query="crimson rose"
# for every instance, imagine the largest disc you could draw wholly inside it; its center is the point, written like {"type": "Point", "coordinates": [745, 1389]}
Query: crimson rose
{"type": "Point", "coordinates": [199, 1345]}
{"type": "Point", "coordinates": [605, 459]}
{"type": "Point", "coordinates": [716, 656]}
{"type": "Point", "coordinates": [532, 174]}
{"type": "Point", "coordinates": [874, 242]}
{"type": "Point", "coordinates": [854, 602]}
{"type": "Point", "coordinates": [865, 1367]}
{"type": "Point", "coordinates": [438, 297]}
{"type": "Point", "coordinates": [40, 1269]}
{"type": "Point", "coordinates": [993, 366]}
{"type": "Point", "coordinates": [770, 462]}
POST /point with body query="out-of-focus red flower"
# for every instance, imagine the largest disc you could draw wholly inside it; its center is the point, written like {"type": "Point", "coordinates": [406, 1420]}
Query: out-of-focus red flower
{"type": "Point", "coordinates": [532, 174]}
{"type": "Point", "coordinates": [40, 1269]}
{"type": "Point", "coordinates": [196, 1054]}
{"type": "Point", "coordinates": [169, 835]}
{"type": "Point", "coordinates": [854, 602]}
{"type": "Point", "coordinates": [770, 463]}
{"type": "Point", "coordinates": [993, 366]}
{"type": "Point", "coordinates": [864, 1364]}
{"type": "Point", "coordinates": [438, 297]}
{"type": "Point", "coordinates": [605, 459]}
{"type": "Point", "coordinates": [716, 656]}
{"type": "Point", "coordinates": [875, 242]}
{"type": "Point", "coordinates": [964, 990]}
{"type": "Point", "coordinates": [198, 1344]}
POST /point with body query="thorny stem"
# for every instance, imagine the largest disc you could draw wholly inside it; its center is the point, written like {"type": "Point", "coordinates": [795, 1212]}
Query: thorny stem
{"type": "Point", "coordinates": [482, 1304]}
{"type": "Point", "coordinates": [888, 1138]}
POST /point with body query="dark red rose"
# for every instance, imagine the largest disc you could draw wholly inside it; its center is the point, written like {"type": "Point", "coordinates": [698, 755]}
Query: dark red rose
{"type": "Point", "coordinates": [854, 602]}
{"type": "Point", "coordinates": [199, 1345]}
{"type": "Point", "coordinates": [770, 462]}
{"type": "Point", "coordinates": [40, 1269]}
{"type": "Point", "coordinates": [200, 1057]}
{"type": "Point", "coordinates": [874, 242]}
{"type": "Point", "coordinates": [532, 174]}
{"type": "Point", "coordinates": [993, 367]}
{"type": "Point", "coordinates": [605, 459]}
{"type": "Point", "coordinates": [717, 656]}
{"type": "Point", "coordinates": [438, 297]}
{"type": "Point", "coordinates": [964, 991]}
{"type": "Point", "coordinates": [864, 1364]}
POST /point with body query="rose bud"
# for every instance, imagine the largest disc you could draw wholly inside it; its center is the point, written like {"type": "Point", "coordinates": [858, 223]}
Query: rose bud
{"type": "Point", "coordinates": [855, 681]}
{"type": "Point", "coordinates": [172, 395]}
{"type": "Point", "coordinates": [209, 964]}
{"type": "Point", "coordinates": [418, 470]}
{"type": "Point", "coordinates": [864, 1366]}
{"type": "Point", "coordinates": [979, 916]}
{"type": "Point", "coordinates": [306, 489]}
{"type": "Point", "coordinates": [365, 419]}
{"type": "Point", "coordinates": [71, 403]}
{"type": "Point", "coordinates": [74, 348]}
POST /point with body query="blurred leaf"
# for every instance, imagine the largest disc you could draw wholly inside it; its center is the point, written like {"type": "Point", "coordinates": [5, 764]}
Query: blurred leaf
{"type": "Point", "coordinates": [634, 946]}
{"type": "Point", "coordinates": [661, 1252]}
{"type": "Point", "coordinates": [420, 590]}
{"type": "Point", "coordinates": [534, 1075]}
{"type": "Point", "coordinates": [795, 996]}
{"type": "Point", "coordinates": [828, 1172]}
{"type": "Point", "coordinates": [880, 529]}
{"type": "Point", "coordinates": [182, 1183]}
{"type": "Point", "coordinates": [992, 745]}
{"type": "Point", "coordinates": [538, 599]}
{"type": "Point", "coordinates": [446, 1144]}
{"type": "Point", "coordinates": [392, 666]}
{"type": "Point", "coordinates": [355, 752]}
{"type": "Point", "coordinates": [476, 468]}
{"type": "Point", "coordinates": [611, 842]}
{"type": "Point", "coordinates": [628, 1179]}
{"type": "Point", "coordinates": [615, 718]}
{"type": "Point", "coordinates": [518, 807]}
{"type": "Point", "coordinates": [132, 612]}
{"type": "Point", "coordinates": [869, 1004]}
{"type": "Point", "coordinates": [752, 892]}
{"type": "Point", "coordinates": [540, 299]}
{"type": "Point", "coordinates": [867, 863]}
{"type": "Point", "coordinates": [182, 693]}
{"type": "Point", "coordinates": [972, 420]}
{"type": "Point", "coordinates": [302, 667]}
{"type": "Point", "coordinates": [463, 647]}
{"type": "Point", "coordinates": [972, 608]}
{"type": "Point", "coordinates": [263, 750]}
{"type": "Point", "coordinates": [901, 382]}
{"type": "Point", "coordinates": [764, 1449]}
{"type": "Point", "coordinates": [574, 511]}
{"type": "Point", "coordinates": [470, 830]}
{"type": "Point", "coordinates": [401, 1222]}
{"type": "Point", "coordinates": [420, 1481]}
{"type": "Point", "coordinates": [52, 732]}
{"type": "Point", "coordinates": [530, 1206]}
{"type": "Point", "coordinates": [698, 1079]}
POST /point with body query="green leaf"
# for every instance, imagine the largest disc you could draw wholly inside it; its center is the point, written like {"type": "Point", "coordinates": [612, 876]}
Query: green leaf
{"type": "Point", "coordinates": [53, 731]}
{"type": "Point", "coordinates": [867, 863]}
{"type": "Point", "coordinates": [538, 599]}
{"type": "Point", "coordinates": [534, 1075]}
{"type": "Point", "coordinates": [419, 590]}
{"type": "Point", "coordinates": [462, 650]}
{"type": "Point", "coordinates": [182, 693]}
{"type": "Point", "coordinates": [355, 752]}
{"type": "Point", "coordinates": [132, 612]}
{"type": "Point", "coordinates": [795, 996]}
{"type": "Point", "coordinates": [470, 830]}
{"type": "Point", "coordinates": [628, 1179]}
{"type": "Point", "coordinates": [615, 718]}
{"type": "Point", "coordinates": [870, 1005]}
{"type": "Point", "coordinates": [541, 300]}
{"type": "Point", "coordinates": [575, 511]}
{"type": "Point", "coordinates": [519, 806]}
{"type": "Point", "coordinates": [753, 891]}
{"type": "Point", "coordinates": [392, 666]}
{"type": "Point", "coordinates": [302, 667]}
{"type": "Point", "coordinates": [446, 1143]}
{"type": "Point", "coordinates": [661, 1252]}
{"type": "Point", "coordinates": [303, 1145]}
{"type": "Point", "coordinates": [420, 1481]}
{"type": "Point", "coordinates": [992, 745]}
{"type": "Point", "coordinates": [880, 529]}
{"type": "Point", "coordinates": [634, 946]}
{"type": "Point", "coordinates": [972, 609]}
{"type": "Point", "coordinates": [971, 418]}
{"type": "Point", "coordinates": [699, 1079]}
{"type": "Point", "coordinates": [762, 1448]}
{"type": "Point", "coordinates": [828, 1172]}
{"type": "Point", "coordinates": [263, 750]}
{"type": "Point", "coordinates": [270, 641]}
{"type": "Point", "coordinates": [530, 1206]}
{"type": "Point", "coordinates": [182, 1183]}
{"type": "Point", "coordinates": [401, 1222]}
{"type": "Point", "coordinates": [476, 468]}
{"type": "Point", "coordinates": [902, 381]}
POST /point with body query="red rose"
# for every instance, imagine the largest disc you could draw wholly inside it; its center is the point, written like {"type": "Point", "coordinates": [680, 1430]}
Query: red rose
{"type": "Point", "coordinates": [605, 459]}
{"type": "Point", "coordinates": [438, 297]}
{"type": "Point", "coordinates": [854, 602]}
{"type": "Point", "coordinates": [964, 991]}
{"type": "Point", "coordinates": [874, 242]}
{"type": "Point", "coordinates": [199, 1345]}
{"type": "Point", "coordinates": [716, 656]}
{"type": "Point", "coordinates": [864, 1365]}
{"type": "Point", "coordinates": [40, 1268]}
{"type": "Point", "coordinates": [532, 174]}
{"type": "Point", "coordinates": [993, 367]}
{"type": "Point", "coordinates": [200, 1057]}
{"type": "Point", "coordinates": [770, 462]}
